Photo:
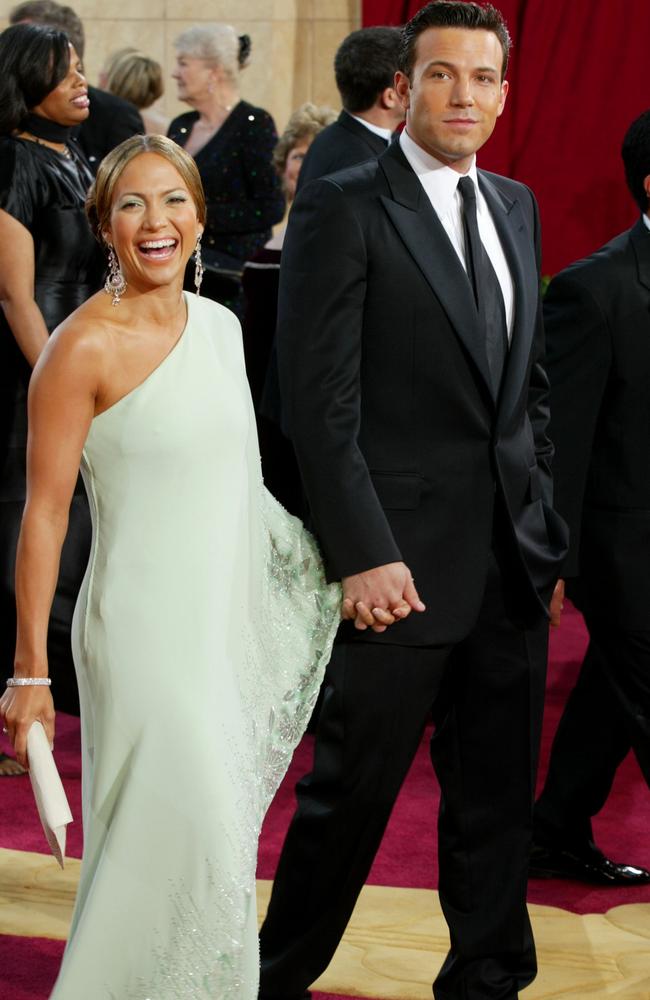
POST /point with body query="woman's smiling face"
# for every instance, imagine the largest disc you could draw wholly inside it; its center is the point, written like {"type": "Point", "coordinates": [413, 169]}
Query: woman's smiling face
{"type": "Point", "coordinates": [153, 222]}
{"type": "Point", "coordinates": [68, 103]}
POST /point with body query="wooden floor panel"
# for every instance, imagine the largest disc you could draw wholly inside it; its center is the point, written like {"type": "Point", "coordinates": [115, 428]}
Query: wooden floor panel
{"type": "Point", "coordinates": [396, 940]}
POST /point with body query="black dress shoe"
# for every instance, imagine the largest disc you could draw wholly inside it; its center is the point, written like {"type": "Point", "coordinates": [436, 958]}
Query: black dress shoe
{"type": "Point", "coordinates": [587, 864]}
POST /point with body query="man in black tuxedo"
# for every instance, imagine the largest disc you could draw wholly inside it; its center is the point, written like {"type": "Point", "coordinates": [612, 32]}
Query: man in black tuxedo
{"type": "Point", "coordinates": [110, 122]}
{"type": "Point", "coordinates": [111, 119]}
{"type": "Point", "coordinates": [597, 316]}
{"type": "Point", "coordinates": [411, 353]}
{"type": "Point", "coordinates": [364, 67]}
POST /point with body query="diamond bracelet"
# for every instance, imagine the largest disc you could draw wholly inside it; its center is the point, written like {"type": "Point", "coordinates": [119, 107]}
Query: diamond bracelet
{"type": "Point", "coordinates": [16, 682]}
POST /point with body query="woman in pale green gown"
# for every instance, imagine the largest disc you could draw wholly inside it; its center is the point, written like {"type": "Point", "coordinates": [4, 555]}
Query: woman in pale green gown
{"type": "Point", "coordinates": [204, 620]}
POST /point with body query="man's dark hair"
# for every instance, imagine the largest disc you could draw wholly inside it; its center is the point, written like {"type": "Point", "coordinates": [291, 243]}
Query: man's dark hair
{"type": "Point", "coordinates": [636, 158]}
{"type": "Point", "coordinates": [365, 65]}
{"type": "Point", "coordinates": [55, 16]}
{"type": "Point", "coordinates": [34, 60]}
{"type": "Point", "coordinates": [452, 14]}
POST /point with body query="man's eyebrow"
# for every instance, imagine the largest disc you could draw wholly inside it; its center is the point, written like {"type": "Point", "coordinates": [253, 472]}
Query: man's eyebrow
{"type": "Point", "coordinates": [449, 65]}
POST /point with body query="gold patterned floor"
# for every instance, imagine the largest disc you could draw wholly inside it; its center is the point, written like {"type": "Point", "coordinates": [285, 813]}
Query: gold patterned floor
{"type": "Point", "coordinates": [396, 939]}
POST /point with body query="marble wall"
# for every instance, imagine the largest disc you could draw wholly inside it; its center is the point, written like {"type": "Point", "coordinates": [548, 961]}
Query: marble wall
{"type": "Point", "coordinates": [294, 42]}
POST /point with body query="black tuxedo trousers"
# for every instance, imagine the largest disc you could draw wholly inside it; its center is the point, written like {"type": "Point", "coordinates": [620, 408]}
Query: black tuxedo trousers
{"type": "Point", "coordinates": [597, 317]}
{"type": "Point", "coordinates": [606, 716]}
{"type": "Point", "coordinates": [485, 694]}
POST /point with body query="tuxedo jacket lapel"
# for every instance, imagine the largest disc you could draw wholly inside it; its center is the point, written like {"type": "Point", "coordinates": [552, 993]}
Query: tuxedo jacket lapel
{"type": "Point", "coordinates": [425, 238]}
{"type": "Point", "coordinates": [516, 242]}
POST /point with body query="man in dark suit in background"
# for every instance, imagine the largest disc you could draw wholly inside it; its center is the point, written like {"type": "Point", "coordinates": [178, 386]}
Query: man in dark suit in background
{"type": "Point", "coordinates": [364, 67]}
{"type": "Point", "coordinates": [597, 317]}
{"type": "Point", "coordinates": [411, 358]}
{"type": "Point", "coordinates": [111, 119]}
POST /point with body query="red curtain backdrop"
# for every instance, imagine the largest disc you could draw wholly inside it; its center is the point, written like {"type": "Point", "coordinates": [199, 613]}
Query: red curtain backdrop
{"type": "Point", "coordinates": [578, 76]}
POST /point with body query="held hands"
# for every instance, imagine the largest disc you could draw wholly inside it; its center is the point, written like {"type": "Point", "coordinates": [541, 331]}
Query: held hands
{"type": "Point", "coordinates": [380, 597]}
{"type": "Point", "coordinates": [557, 604]}
{"type": "Point", "coordinates": [19, 708]}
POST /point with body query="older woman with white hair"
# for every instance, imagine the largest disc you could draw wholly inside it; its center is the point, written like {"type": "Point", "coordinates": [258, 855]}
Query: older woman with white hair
{"type": "Point", "coordinates": [232, 143]}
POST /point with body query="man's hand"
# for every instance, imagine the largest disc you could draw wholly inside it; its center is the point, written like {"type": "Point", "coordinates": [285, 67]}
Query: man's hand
{"type": "Point", "coordinates": [379, 597]}
{"type": "Point", "coordinates": [557, 604]}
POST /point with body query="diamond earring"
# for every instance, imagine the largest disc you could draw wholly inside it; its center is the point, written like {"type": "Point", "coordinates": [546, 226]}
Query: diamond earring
{"type": "Point", "coordinates": [115, 285]}
{"type": "Point", "coordinates": [198, 265]}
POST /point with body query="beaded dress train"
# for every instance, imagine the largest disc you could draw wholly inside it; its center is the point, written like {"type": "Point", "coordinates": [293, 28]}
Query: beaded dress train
{"type": "Point", "coordinates": [200, 636]}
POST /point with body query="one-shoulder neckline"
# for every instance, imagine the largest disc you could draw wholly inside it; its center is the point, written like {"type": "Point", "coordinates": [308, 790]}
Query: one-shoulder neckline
{"type": "Point", "coordinates": [154, 371]}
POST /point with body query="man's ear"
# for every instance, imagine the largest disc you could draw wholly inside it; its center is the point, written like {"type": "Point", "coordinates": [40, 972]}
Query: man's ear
{"type": "Point", "coordinates": [504, 93]}
{"type": "Point", "coordinates": [402, 88]}
{"type": "Point", "coordinates": [646, 187]}
{"type": "Point", "coordinates": [389, 99]}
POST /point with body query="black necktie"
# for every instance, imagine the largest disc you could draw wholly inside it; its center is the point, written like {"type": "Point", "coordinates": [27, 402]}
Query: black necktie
{"type": "Point", "coordinates": [487, 290]}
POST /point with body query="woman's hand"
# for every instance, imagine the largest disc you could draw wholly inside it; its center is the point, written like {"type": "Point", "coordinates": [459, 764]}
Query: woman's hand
{"type": "Point", "coordinates": [378, 619]}
{"type": "Point", "coordinates": [380, 597]}
{"type": "Point", "coordinates": [19, 708]}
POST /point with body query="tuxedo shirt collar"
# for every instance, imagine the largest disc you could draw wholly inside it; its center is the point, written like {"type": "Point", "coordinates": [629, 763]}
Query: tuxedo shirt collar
{"type": "Point", "coordinates": [438, 180]}
{"type": "Point", "coordinates": [383, 133]}
{"type": "Point", "coordinates": [646, 221]}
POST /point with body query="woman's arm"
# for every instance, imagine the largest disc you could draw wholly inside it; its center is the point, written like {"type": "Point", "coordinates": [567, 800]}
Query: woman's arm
{"type": "Point", "coordinates": [62, 397]}
{"type": "Point", "coordinates": [17, 287]}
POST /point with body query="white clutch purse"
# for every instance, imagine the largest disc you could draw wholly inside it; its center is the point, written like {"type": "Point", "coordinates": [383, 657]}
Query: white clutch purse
{"type": "Point", "coordinates": [49, 793]}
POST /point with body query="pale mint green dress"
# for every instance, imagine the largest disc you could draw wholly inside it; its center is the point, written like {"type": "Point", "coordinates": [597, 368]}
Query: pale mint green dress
{"type": "Point", "coordinates": [200, 638]}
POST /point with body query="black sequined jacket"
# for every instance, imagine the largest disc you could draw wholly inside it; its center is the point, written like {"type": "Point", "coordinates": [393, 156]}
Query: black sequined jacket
{"type": "Point", "coordinates": [242, 190]}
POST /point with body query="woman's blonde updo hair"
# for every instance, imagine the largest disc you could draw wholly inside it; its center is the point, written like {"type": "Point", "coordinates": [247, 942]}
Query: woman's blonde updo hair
{"type": "Point", "coordinates": [218, 44]}
{"type": "Point", "coordinates": [305, 123]}
{"type": "Point", "coordinates": [99, 201]}
{"type": "Point", "coordinates": [135, 77]}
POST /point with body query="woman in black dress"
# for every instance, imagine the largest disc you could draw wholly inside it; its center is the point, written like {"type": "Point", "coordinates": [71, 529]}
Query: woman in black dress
{"type": "Point", "coordinates": [49, 264]}
{"type": "Point", "coordinates": [232, 142]}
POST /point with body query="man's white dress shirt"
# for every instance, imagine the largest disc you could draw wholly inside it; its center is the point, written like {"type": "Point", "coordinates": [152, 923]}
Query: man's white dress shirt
{"type": "Point", "coordinates": [440, 183]}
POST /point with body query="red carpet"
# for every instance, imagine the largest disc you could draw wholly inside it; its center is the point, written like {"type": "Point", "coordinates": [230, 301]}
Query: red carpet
{"type": "Point", "coordinates": [408, 853]}
{"type": "Point", "coordinates": [29, 967]}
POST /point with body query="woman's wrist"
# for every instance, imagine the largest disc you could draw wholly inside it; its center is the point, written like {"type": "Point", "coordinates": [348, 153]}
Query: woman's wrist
{"type": "Point", "coordinates": [28, 668]}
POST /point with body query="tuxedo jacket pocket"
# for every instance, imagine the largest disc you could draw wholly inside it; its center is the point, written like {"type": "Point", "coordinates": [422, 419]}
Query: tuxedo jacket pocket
{"type": "Point", "coordinates": [534, 484]}
{"type": "Point", "coordinates": [397, 490]}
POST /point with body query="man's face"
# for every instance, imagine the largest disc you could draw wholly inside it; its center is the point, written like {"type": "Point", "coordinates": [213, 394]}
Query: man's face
{"type": "Point", "coordinates": [455, 94]}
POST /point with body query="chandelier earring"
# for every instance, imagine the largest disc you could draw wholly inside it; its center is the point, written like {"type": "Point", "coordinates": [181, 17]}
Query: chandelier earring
{"type": "Point", "coordinates": [198, 265]}
{"type": "Point", "coordinates": [115, 285]}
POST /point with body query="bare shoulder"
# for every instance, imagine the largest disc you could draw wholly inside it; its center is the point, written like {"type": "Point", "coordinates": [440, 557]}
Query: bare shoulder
{"type": "Point", "coordinates": [77, 348]}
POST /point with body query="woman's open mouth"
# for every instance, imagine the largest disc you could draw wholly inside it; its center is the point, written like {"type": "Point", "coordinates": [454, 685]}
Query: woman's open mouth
{"type": "Point", "coordinates": [158, 249]}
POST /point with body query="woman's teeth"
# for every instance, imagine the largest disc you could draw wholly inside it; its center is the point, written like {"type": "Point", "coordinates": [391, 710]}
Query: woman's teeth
{"type": "Point", "coordinates": [158, 248]}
